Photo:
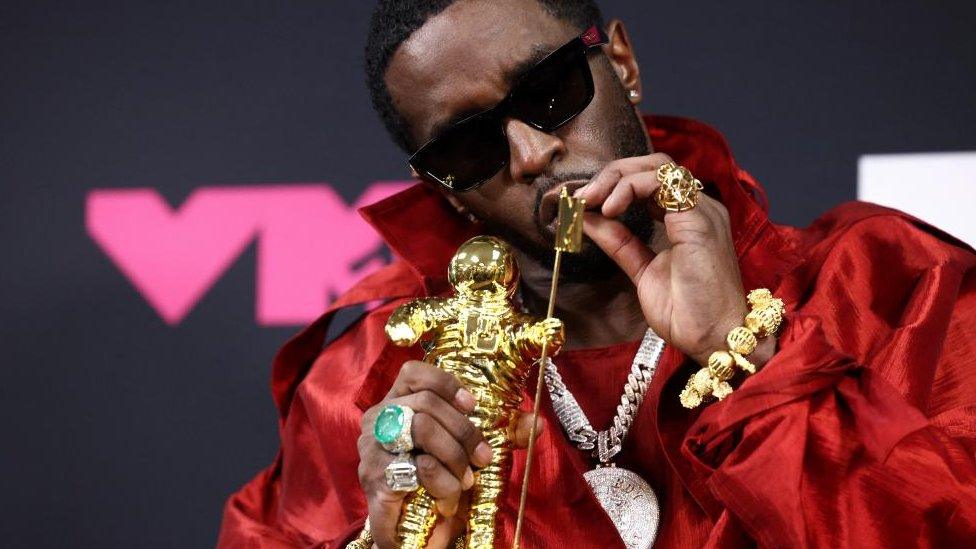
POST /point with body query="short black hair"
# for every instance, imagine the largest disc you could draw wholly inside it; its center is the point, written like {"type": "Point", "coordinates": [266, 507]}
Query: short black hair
{"type": "Point", "coordinates": [394, 21]}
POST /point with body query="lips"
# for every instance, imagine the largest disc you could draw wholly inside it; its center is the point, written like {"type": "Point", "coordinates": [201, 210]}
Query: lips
{"type": "Point", "coordinates": [549, 206]}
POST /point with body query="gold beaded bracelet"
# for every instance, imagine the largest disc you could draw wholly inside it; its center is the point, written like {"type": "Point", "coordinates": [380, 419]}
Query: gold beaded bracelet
{"type": "Point", "coordinates": [764, 319]}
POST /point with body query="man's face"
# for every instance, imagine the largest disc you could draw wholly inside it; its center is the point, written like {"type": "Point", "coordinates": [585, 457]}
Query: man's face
{"type": "Point", "coordinates": [462, 61]}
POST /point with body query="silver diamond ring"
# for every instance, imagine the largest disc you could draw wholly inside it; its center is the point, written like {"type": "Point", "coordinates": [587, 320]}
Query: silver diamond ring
{"type": "Point", "coordinates": [401, 474]}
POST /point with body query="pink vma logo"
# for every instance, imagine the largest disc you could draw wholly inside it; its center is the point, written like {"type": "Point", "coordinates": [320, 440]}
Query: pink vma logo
{"type": "Point", "coordinates": [311, 245]}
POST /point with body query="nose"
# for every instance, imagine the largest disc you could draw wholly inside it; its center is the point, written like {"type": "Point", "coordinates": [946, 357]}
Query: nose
{"type": "Point", "coordinates": [532, 150]}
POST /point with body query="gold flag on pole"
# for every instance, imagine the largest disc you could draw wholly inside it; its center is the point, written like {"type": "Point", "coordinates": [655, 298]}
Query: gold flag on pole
{"type": "Point", "coordinates": [569, 238]}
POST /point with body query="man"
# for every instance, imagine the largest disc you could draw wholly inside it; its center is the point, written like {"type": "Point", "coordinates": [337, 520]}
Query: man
{"type": "Point", "coordinates": [858, 429]}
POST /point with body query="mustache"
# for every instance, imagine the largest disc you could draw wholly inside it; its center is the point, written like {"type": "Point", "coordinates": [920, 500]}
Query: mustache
{"type": "Point", "coordinates": [546, 183]}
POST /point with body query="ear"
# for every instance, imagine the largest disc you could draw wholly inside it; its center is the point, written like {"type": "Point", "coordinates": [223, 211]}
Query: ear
{"type": "Point", "coordinates": [623, 59]}
{"type": "Point", "coordinates": [448, 195]}
{"type": "Point", "coordinates": [461, 208]}
{"type": "Point", "coordinates": [451, 198]}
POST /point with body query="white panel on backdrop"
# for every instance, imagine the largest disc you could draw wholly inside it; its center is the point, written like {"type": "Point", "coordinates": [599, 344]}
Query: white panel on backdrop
{"type": "Point", "coordinates": [939, 188]}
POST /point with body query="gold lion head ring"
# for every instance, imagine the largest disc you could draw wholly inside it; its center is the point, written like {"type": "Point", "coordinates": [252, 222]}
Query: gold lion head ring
{"type": "Point", "coordinates": [679, 189]}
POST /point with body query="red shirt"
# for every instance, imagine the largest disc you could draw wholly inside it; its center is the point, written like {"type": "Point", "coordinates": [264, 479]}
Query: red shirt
{"type": "Point", "coordinates": [859, 432]}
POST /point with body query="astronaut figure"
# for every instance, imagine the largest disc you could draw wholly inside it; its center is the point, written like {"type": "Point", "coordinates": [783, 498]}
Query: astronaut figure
{"type": "Point", "coordinates": [480, 337]}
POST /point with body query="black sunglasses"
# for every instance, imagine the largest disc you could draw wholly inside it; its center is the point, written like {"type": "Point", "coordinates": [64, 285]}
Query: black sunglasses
{"type": "Point", "coordinates": [550, 94]}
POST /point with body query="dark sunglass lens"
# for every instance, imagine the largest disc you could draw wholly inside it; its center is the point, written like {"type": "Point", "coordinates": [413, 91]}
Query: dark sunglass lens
{"type": "Point", "coordinates": [466, 155]}
{"type": "Point", "coordinates": [554, 92]}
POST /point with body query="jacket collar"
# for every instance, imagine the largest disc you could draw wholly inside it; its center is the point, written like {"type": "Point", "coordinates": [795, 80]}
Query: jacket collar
{"type": "Point", "coordinates": [421, 227]}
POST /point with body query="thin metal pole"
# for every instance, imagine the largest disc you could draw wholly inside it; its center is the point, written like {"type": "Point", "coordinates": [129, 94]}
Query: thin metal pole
{"type": "Point", "coordinates": [538, 397]}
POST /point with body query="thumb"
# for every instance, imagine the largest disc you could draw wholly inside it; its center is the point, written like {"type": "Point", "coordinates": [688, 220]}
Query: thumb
{"type": "Point", "coordinates": [448, 529]}
{"type": "Point", "coordinates": [523, 429]}
{"type": "Point", "coordinates": [615, 239]}
{"type": "Point", "coordinates": [384, 514]}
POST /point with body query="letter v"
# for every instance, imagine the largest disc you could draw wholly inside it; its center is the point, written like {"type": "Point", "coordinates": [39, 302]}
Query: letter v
{"type": "Point", "coordinates": [173, 258]}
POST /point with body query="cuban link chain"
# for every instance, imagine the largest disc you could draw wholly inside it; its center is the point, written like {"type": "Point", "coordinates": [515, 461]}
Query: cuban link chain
{"type": "Point", "coordinates": [606, 444]}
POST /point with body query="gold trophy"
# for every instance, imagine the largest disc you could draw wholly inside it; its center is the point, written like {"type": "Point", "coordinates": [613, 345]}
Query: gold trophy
{"type": "Point", "coordinates": [479, 336]}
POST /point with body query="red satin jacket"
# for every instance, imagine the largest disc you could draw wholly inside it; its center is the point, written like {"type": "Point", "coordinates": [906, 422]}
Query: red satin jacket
{"type": "Point", "coordinates": [859, 432]}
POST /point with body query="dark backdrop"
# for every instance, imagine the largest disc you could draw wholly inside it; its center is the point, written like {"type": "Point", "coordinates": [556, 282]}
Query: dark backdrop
{"type": "Point", "coordinates": [120, 430]}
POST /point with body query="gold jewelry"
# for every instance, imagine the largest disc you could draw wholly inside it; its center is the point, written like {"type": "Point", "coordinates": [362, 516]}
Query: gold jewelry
{"type": "Point", "coordinates": [392, 428]}
{"type": "Point", "coordinates": [743, 362]}
{"type": "Point", "coordinates": [679, 189]}
{"type": "Point", "coordinates": [477, 335]}
{"type": "Point", "coordinates": [364, 540]}
{"type": "Point", "coordinates": [741, 340]}
{"type": "Point", "coordinates": [764, 319]}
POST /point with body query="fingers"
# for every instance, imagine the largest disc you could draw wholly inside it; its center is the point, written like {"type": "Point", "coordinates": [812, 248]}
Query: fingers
{"type": "Point", "coordinates": [450, 423]}
{"type": "Point", "coordinates": [430, 435]}
{"type": "Point", "coordinates": [629, 189]}
{"type": "Point", "coordinates": [552, 323]}
{"type": "Point", "coordinates": [616, 240]}
{"type": "Point", "coordinates": [442, 486]}
{"type": "Point", "coordinates": [447, 442]}
{"type": "Point", "coordinates": [416, 376]}
{"type": "Point", "coordinates": [600, 187]}
{"type": "Point", "coordinates": [705, 224]}
{"type": "Point", "coordinates": [384, 513]}
{"type": "Point", "coordinates": [634, 180]}
{"type": "Point", "coordinates": [523, 429]}
{"type": "Point", "coordinates": [553, 331]}
{"type": "Point", "coordinates": [429, 390]}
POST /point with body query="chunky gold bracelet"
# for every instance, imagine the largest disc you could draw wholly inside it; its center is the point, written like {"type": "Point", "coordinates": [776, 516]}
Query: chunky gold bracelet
{"type": "Point", "coordinates": [764, 319]}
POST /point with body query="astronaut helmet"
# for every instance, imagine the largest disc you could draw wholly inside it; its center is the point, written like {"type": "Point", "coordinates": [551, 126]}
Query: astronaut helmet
{"type": "Point", "coordinates": [484, 264]}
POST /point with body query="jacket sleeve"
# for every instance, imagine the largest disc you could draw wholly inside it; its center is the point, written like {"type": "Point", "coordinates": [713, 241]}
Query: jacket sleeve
{"type": "Point", "coordinates": [250, 520]}
{"type": "Point", "coordinates": [861, 430]}
{"type": "Point", "coordinates": [250, 516]}
{"type": "Point", "coordinates": [310, 496]}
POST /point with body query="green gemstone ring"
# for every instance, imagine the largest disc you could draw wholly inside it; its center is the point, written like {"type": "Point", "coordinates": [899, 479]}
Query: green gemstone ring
{"type": "Point", "coordinates": [392, 428]}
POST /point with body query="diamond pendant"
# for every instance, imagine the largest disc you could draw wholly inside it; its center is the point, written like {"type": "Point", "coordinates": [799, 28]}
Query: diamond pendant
{"type": "Point", "coordinates": [629, 501]}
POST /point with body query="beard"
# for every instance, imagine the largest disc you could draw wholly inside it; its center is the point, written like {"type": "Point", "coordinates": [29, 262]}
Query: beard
{"type": "Point", "coordinates": [591, 264]}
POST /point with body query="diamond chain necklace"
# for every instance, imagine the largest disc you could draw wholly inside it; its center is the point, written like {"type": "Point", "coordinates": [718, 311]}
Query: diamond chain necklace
{"type": "Point", "coordinates": [606, 444]}
{"type": "Point", "coordinates": [629, 500]}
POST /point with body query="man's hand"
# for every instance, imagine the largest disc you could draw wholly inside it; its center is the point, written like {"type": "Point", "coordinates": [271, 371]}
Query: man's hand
{"type": "Point", "coordinates": [447, 445]}
{"type": "Point", "coordinates": [691, 293]}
